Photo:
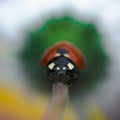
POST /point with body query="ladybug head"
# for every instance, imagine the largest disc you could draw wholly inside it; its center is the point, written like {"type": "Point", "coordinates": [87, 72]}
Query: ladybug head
{"type": "Point", "coordinates": [61, 68]}
{"type": "Point", "coordinates": [62, 62]}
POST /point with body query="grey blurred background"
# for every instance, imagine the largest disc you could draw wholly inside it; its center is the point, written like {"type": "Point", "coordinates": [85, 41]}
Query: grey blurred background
{"type": "Point", "coordinates": [17, 16]}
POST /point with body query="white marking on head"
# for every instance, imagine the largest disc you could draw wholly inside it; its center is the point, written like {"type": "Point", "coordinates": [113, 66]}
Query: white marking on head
{"type": "Point", "coordinates": [66, 55]}
{"type": "Point", "coordinates": [51, 65]}
{"type": "Point", "coordinates": [57, 55]}
{"type": "Point", "coordinates": [70, 66]}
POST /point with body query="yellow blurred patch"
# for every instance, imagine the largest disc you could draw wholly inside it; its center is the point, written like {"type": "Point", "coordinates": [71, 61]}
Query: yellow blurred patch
{"type": "Point", "coordinates": [15, 103]}
{"type": "Point", "coordinates": [94, 112]}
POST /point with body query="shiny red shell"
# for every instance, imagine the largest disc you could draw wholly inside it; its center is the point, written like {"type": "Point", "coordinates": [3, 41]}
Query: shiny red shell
{"type": "Point", "coordinates": [74, 54]}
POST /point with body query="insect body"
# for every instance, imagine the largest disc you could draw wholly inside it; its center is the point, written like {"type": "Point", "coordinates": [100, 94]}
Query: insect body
{"type": "Point", "coordinates": [62, 62]}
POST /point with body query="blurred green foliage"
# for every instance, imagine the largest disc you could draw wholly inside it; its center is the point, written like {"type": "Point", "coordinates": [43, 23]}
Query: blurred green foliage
{"type": "Point", "coordinates": [82, 34]}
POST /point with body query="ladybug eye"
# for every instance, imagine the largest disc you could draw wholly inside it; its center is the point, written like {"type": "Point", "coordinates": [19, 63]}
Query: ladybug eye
{"type": "Point", "coordinates": [51, 65]}
{"type": "Point", "coordinates": [70, 66]}
{"type": "Point", "coordinates": [57, 68]}
{"type": "Point", "coordinates": [64, 68]}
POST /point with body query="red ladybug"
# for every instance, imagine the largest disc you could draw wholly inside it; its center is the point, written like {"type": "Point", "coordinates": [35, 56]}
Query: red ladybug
{"type": "Point", "coordinates": [62, 62]}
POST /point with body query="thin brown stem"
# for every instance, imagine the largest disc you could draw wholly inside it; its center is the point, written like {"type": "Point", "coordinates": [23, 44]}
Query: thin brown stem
{"type": "Point", "coordinates": [57, 103]}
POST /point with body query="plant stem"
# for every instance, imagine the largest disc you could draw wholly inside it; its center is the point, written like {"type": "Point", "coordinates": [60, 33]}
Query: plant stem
{"type": "Point", "coordinates": [57, 103]}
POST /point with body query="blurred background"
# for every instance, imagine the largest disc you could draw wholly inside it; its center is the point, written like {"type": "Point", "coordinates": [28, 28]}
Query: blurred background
{"type": "Point", "coordinates": [29, 27]}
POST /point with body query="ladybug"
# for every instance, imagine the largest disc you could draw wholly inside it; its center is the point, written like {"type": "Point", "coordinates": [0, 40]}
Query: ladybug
{"type": "Point", "coordinates": [62, 62]}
